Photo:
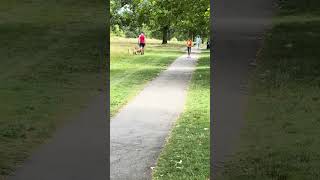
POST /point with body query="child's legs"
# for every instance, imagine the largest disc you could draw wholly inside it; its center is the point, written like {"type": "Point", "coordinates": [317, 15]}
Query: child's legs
{"type": "Point", "coordinates": [142, 47]}
{"type": "Point", "coordinates": [142, 50]}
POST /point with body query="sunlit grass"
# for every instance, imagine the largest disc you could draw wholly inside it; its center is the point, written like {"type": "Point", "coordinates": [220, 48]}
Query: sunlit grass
{"type": "Point", "coordinates": [129, 73]}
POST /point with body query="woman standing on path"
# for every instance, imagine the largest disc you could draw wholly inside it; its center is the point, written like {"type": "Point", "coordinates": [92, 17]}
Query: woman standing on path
{"type": "Point", "coordinates": [142, 42]}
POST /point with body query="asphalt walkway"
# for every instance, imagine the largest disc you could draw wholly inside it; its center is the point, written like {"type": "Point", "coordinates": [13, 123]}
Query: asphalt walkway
{"type": "Point", "coordinates": [139, 130]}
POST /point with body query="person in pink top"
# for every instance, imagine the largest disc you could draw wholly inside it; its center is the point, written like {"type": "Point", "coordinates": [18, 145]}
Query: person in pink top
{"type": "Point", "coordinates": [142, 42]}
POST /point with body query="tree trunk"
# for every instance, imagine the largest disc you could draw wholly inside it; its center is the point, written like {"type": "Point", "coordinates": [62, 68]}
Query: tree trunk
{"type": "Point", "coordinates": [165, 35]}
{"type": "Point", "coordinates": [191, 34]}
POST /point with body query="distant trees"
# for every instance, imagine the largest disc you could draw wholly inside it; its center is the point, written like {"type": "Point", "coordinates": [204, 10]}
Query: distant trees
{"type": "Point", "coordinates": [161, 19]}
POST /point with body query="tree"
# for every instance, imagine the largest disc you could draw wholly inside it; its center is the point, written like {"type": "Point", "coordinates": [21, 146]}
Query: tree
{"type": "Point", "coordinates": [164, 15]}
{"type": "Point", "coordinates": [164, 18]}
{"type": "Point", "coordinates": [196, 19]}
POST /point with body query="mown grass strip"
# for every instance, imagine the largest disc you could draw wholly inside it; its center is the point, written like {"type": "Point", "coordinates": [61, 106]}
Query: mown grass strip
{"type": "Point", "coordinates": [187, 152]}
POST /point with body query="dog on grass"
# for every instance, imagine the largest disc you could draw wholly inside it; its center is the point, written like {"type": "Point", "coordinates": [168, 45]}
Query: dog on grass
{"type": "Point", "coordinates": [135, 50]}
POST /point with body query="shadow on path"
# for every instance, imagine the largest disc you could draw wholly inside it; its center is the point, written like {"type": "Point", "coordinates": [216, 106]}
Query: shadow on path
{"type": "Point", "coordinates": [76, 151]}
{"type": "Point", "coordinates": [238, 26]}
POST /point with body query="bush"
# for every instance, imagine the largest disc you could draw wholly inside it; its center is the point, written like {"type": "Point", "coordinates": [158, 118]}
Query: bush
{"type": "Point", "coordinates": [116, 31]}
{"type": "Point", "coordinates": [174, 39]}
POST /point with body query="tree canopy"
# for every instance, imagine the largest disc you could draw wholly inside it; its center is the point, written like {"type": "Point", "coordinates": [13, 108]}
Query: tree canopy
{"type": "Point", "coordinates": [161, 19]}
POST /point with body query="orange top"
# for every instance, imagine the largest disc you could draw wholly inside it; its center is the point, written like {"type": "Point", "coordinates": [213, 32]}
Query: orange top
{"type": "Point", "coordinates": [189, 43]}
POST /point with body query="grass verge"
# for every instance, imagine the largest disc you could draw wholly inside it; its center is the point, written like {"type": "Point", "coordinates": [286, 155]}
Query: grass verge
{"type": "Point", "coordinates": [129, 73]}
{"type": "Point", "coordinates": [50, 69]}
{"type": "Point", "coordinates": [187, 152]}
{"type": "Point", "coordinates": [283, 121]}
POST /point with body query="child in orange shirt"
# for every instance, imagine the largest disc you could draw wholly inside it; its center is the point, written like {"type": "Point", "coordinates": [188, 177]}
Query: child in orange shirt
{"type": "Point", "coordinates": [189, 45]}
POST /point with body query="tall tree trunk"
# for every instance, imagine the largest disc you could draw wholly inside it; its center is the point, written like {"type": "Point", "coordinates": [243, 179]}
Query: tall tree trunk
{"type": "Point", "coordinates": [189, 34]}
{"type": "Point", "coordinates": [165, 35]}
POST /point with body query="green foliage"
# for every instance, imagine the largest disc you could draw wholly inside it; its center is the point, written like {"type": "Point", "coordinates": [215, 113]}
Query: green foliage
{"type": "Point", "coordinates": [116, 31]}
{"type": "Point", "coordinates": [162, 18]}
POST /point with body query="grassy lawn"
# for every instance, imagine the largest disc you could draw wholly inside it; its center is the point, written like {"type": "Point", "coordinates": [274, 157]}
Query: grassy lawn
{"type": "Point", "coordinates": [129, 73]}
{"type": "Point", "coordinates": [187, 152]}
{"type": "Point", "coordinates": [280, 140]}
{"type": "Point", "coordinates": [50, 69]}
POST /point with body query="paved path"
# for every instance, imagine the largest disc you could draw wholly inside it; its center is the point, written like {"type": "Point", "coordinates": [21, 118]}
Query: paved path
{"type": "Point", "coordinates": [138, 131]}
{"type": "Point", "coordinates": [237, 27]}
{"type": "Point", "coordinates": [77, 151]}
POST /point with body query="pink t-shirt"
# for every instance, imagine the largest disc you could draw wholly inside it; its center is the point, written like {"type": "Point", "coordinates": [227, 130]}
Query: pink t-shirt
{"type": "Point", "coordinates": [142, 38]}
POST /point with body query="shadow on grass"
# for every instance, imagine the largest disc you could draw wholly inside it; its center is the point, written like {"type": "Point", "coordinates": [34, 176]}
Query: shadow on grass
{"type": "Point", "coordinates": [290, 56]}
{"type": "Point", "coordinates": [283, 118]}
{"type": "Point", "coordinates": [49, 70]}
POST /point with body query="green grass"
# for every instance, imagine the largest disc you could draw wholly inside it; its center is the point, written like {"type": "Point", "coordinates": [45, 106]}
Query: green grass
{"type": "Point", "coordinates": [130, 73]}
{"type": "Point", "coordinates": [280, 141]}
{"type": "Point", "coordinates": [50, 69]}
{"type": "Point", "coordinates": [289, 7]}
{"type": "Point", "coordinates": [187, 152]}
